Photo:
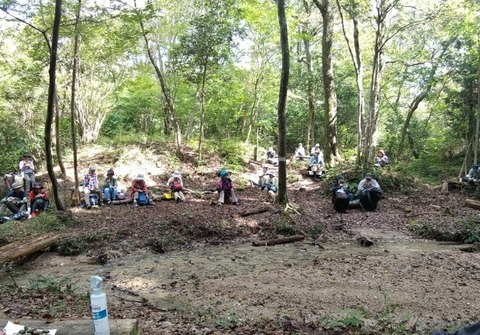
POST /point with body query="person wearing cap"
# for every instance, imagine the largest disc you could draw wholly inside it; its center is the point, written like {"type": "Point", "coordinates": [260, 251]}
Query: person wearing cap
{"type": "Point", "coordinates": [110, 186]}
{"type": "Point", "coordinates": [15, 199]}
{"type": "Point", "coordinates": [175, 182]}
{"type": "Point", "coordinates": [315, 148]}
{"type": "Point", "coordinates": [300, 152]}
{"type": "Point", "coordinates": [472, 176]}
{"type": "Point", "coordinates": [271, 186]}
{"type": "Point", "coordinates": [261, 178]}
{"type": "Point", "coordinates": [271, 156]}
{"type": "Point", "coordinates": [27, 170]}
{"type": "Point", "coordinates": [225, 191]}
{"type": "Point", "coordinates": [382, 159]}
{"type": "Point", "coordinates": [340, 194]}
{"type": "Point", "coordinates": [316, 164]}
{"type": "Point", "coordinates": [37, 199]}
{"type": "Point", "coordinates": [90, 185]}
{"type": "Point", "coordinates": [369, 192]}
{"type": "Point", "coordinates": [139, 188]}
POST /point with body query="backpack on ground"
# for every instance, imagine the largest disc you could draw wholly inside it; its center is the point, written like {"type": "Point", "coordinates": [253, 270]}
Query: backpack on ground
{"type": "Point", "coordinates": [142, 199]}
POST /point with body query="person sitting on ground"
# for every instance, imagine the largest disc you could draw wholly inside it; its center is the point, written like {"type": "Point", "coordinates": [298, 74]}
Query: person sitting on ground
{"type": "Point", "coordinates": [37, 199]}
{"type": "Point", "coordinates": [270, 186]}
{"type": "Point", "coordinates": [382, 159]}
{"type": "Point", "coordinates": [225, 192]}
{"type": "Point", "coordinates": [315, 148]}
{"type": "Point", "coordinates": [11, 178]}
{"type": "Point", "coordinates": [316, 165]}
{"type": "Point", "coordinates": [90, 186]}
{"type": "Point", "coordinates": [271, 156]}
{"type": "Point", "coordinates": [27, 169]}
{"type": "Point", "coordinates": [15, 199]}
{"type": "Point", "coordinates": [110, 187]}
{"type": "Point", "coordinates": [472, 176]}
{"type": "Point", "coordinates": [369, 192]}
{"type": "Point", "coordinates": [175, 182]}
{"type": "Point", "coordinates": [300, 152]}
{"type": "Point", "coordinates": [261, 178]}
{"type": "Point", "coordinates": [139, 192]}
{"type": "Point", "coordinates": [340, 195]}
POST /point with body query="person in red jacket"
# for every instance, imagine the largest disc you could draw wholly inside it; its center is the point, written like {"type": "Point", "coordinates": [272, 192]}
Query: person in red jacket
{"type": "Point", "coordinates": [37, 199]}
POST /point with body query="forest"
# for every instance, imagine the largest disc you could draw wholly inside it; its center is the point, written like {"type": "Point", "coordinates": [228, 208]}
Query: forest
{"type": "Point", "coordinates": [143, 88]}
{"type": "Point", "coordinates": [401, 76]}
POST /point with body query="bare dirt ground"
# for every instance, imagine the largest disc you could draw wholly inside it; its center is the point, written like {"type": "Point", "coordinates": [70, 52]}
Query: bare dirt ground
{"type": "Point", "coordinates": [191, 268]}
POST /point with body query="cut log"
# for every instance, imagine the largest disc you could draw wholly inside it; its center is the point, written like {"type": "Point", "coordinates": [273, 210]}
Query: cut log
{"type": "Point", "coordinates": [26, 247]}
{"type": "Point", "coordinates": [253, 211]}
{"type": "Point", "coordinates": [282, 240]}
{"type": "Point", "coordinates": [472, 203]}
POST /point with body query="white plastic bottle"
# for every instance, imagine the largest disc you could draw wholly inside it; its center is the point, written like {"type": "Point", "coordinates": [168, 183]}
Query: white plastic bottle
{"type": "Point", "coordinates": [98, 301]}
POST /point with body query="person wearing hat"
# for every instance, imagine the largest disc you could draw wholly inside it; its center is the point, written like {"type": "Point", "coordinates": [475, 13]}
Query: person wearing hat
{"type": "Point", "coordinates": [90, 185]}
{"type": "Point", "coordinates": [340, 194]}
{"type": "Point", "coordinates": [300, 152]}
{"type": "Point", "coordinates": [315, 149]}
{"type": "Point", "coordinates": [472, 176]}
{"type": "Point", "coordinates": [271, 186]}
{"type": "Point", "coordinates": [139, 191]}
{"type": "Point", "coordinates": [271, 156]}
{"type": "Point", "coordinates": [225, 192]}
{"type": "Point", "coordinates": [27, 170]}
{"type": "Point", "coordinates": [37, 199]}
{"type": "Point", "coordinates": [175, 182]}
{"type": "Point", "coordinates": [316, 164]}
{"type": "Point", "coordinates": [15, 200]}
{"type": "Point", "coordinates": [382, 159]}
{"type": "Point", "coordinates": [369, 192]}
{"type": "Point", "coordinates": [110, 186]}
{"type": "Point", "coordinates": [261, 178]}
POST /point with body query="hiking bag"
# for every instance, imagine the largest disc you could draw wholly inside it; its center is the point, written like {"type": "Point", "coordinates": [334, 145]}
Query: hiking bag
{"type": "Point", "coordinates": [176, 186]}
{"type": "Point", "coordinates": [142, 199]}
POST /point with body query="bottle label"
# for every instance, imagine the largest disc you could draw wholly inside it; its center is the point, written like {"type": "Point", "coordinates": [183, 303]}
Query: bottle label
{"type": "Point", "coordinates": [99, 315]}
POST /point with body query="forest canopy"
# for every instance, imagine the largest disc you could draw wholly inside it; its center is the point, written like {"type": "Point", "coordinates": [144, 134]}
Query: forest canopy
{"type": "Point", "coordinates": [402, 76]}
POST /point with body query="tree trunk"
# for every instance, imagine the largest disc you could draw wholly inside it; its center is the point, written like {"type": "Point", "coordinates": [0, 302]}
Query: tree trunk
{"type": "Point", "coordinates": [191, 119]}
{"type": "Point", "coordinates": [202, 108]}
{"type": "Point", "coordinates": [377, 69]}
{"type": "Point", "coordinates": [331, 148]}
{"type": "Point", "coordinates": [58, 144]}
{"type": "Point", "coordinates": [166, 94]}
{"type": "Point", "coordinates": [73, 127]}
{"type": "Point", "coordinates": [50, 106]}
{"type": "Point", "coordinates": [311, 96]}
{"type": "Point", "coordinates": [282, 105]}
{"type": "Point", "coordinates": [477, 128]}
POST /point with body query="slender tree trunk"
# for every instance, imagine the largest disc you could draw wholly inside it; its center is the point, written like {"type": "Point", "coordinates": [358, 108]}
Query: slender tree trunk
{"type": "Point", "coordinates": [331, 148]}
{"type": "Point", "coordinates": [50, 106]}
{"type": "Point", "coordinates": [310, 94]}
{"type": "Point", "coordinates": [202, 107]}
{"type": "Point", "coordinates": [58, 144]}
{"type": "Point", "coordinates": [282, 105]}
{"type": "Point", "coordinates": [356, 55]}
{"type": "Point", "coordinates": [165, 91]}
{"type": "Point", "coordinates": [477, 128]}
{"type": "Point", "coordinates": [73, 128]}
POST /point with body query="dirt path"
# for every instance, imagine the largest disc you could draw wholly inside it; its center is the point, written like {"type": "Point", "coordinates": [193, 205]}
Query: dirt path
{"type": "Point", "coordinates": [190, 268]}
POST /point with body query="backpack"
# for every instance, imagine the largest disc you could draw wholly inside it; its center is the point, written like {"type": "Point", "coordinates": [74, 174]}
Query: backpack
{"type": "Point", "coordinates": [176, 186]}
{"type": "Point", "coordinates": [93, 199]}
{"type": "Point", "coordinates": [227, 184]}
{"type": "Point", "coordinates": [142, 199]}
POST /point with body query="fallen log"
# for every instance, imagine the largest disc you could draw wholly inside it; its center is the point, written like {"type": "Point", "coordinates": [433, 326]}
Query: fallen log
{"type": "Point", "coordinates": [472, 203]}
{"type": "Point", "coordinates": [26, 247]}
{"type": "Point", "coordinates": [253, 211]}
{"type": "Point", "coordinates": [282, 240]}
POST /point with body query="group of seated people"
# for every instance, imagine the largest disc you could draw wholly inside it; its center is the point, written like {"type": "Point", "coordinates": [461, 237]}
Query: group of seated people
{"type": "Point", "coordinates": [94, 195]}
{"type": "Point", "coordinates": [368, 194]}
{"type": "Point", "coordinates": [21, 204]}
{"type": "Point", "coordinates": [316, 165]}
